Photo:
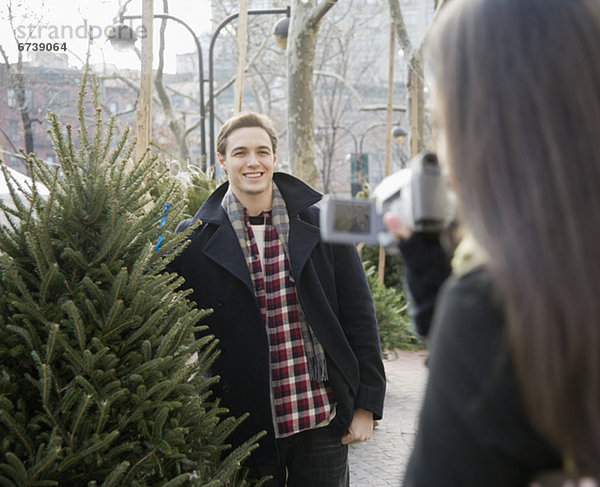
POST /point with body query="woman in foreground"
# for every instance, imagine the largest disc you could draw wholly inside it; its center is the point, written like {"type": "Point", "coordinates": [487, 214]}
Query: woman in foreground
{"type": "Point", "coordinates": [514, 385]}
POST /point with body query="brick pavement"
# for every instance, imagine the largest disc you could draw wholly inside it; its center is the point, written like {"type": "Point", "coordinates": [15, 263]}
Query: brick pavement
{"type": "Point", "coordinates": [381, 461]}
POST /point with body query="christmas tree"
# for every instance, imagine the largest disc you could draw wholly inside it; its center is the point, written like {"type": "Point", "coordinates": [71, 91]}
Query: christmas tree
{"type": "Point", "coordinates": [101, 380]}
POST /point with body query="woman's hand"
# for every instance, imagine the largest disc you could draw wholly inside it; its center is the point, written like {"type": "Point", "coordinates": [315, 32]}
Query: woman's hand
{"type": "Point", "coordinates": [396, 227]}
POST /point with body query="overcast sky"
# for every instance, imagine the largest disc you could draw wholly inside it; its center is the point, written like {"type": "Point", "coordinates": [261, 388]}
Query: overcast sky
{"type": "Point", "coordinates": [72, 21]}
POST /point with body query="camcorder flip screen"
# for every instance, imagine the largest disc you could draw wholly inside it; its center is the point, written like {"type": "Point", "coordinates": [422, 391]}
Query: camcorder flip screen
{"type": "Point", "coordinates": [349, 221]}
{"type": "Point", "coordinates": [352, 216]}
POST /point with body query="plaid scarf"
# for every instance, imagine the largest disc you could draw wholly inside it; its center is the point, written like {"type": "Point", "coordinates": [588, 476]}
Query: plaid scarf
{"type": "Point", "coordinates": [317, 365]}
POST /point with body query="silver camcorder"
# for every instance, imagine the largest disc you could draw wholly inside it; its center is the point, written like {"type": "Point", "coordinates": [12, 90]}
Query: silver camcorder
{"type": "Point", "coordinates": [419, 195]}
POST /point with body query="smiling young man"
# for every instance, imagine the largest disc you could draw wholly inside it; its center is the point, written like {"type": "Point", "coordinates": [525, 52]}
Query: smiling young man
{"type": "Point", "coordinates": [294, 316]}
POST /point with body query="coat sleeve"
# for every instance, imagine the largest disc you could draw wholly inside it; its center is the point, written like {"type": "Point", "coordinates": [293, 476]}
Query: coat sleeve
{"type": "Point", "coordinates": [357, 317]}
{"type": "Point", "coordinates": [473, 429]}
{"type": "Point", "coordinates": [425, 267]}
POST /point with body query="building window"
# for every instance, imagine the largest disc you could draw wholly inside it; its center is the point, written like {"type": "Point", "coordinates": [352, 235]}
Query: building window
{"type": "Point", "coordinates": [10, 97]}
{"type": "Point", "coordinates": [29, 99]}
{"type": "Point", "coordinates": [13, 128]}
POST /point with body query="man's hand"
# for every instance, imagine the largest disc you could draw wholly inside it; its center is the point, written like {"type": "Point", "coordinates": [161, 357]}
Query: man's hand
{"type": "Point", "coordinates": [361, 428]}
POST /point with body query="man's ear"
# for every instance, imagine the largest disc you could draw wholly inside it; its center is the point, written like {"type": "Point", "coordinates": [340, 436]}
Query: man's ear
{"type": "Point", "coordinates": [221, 160]}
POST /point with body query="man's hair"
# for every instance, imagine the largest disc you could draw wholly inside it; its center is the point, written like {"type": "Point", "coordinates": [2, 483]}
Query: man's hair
{"type": "Point", "coordinates": [242, 120]}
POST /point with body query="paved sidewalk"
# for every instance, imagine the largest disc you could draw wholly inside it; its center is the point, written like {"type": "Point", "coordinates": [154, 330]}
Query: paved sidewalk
{"type": "Point", "coordinates": [381, 461]}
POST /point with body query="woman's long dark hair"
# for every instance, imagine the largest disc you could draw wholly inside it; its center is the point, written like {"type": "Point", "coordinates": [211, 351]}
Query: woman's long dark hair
{"type": "Point", "coordinates": [518, 84]}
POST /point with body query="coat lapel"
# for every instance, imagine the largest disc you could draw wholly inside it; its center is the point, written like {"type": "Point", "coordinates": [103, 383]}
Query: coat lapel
{"type": "Point", "coordinates": [223, 246]}
{"type": "Point", "coordinates": [303, 239]}
{"type": "Point", "coordinates": [303, 236]}
{"type": "Point", "coordinates": [224, 249]}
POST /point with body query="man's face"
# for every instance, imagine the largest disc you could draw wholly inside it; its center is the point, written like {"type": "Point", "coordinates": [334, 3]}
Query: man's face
{"type": "Point", "coordinates": [249, 161]}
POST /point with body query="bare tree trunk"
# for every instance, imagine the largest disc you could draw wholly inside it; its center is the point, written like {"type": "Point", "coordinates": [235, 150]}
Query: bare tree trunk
{"type": "Point", "coordinates": [15, 75]}
{"type": "Point", "coordinates": [302, 40]}
{"type": "Point", "coordinates": [177, 129]}
{"type": "Point", "coordinates": [415, 82]}
{"type": "Point", "coordinates": [19, 87]}
{"type": "Point", "coordinates": [416, 104]}
{"type": "Point", "coordinates": [414, 93]}
{"type": "Point", "coordinates": [301, 105]}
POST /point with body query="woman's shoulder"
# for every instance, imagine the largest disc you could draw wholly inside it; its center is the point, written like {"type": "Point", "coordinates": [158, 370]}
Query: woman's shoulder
{"type": "Point", "coordinates": [469, 313]}
{"type": "Point", "coordinates": [471, 292]}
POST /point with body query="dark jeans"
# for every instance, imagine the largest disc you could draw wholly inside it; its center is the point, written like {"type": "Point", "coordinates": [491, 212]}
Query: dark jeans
{"type": "Point", "coordinates": [314, 458]}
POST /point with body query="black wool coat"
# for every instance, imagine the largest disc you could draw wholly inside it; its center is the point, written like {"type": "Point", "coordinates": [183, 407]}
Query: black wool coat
{"type": "Point", "coordinates": [333, 293]}
{"type": "Point", "coordinates": [473, 427]}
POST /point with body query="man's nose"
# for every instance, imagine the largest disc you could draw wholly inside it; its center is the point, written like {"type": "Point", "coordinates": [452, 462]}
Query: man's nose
{"type": "Point", "coordinates": [252, 158]}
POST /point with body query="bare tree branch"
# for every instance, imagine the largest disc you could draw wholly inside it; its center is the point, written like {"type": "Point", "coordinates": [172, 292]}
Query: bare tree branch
{"type": "Point", "coordinates": [345, 82]}
{"type": "Point", "coordinates": [5, 57]}
{"type": "Point", "coordinates": [319, 11]}
{"type": "Point", "coordinates": [249, 64]}
{"type": "Point", "coordinates": [127, 82]}
{"type": "Point", "coordinates": [122, 10]}
{"type": "Point", "coordinates": [401, 32]}
{"type": "Point", "coordinates": [416, 81]}
{"type": "Point", "coordinates": [440, 4]}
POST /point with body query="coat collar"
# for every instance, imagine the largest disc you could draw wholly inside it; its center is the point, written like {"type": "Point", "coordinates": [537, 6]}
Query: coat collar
{"type": "Point", "coordinates": [223, 246]}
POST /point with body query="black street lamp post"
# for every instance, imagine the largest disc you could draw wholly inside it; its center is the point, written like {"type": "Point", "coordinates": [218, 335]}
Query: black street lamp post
{"type": "Point", "coordinates": [359, 165]}
{"type": "Point", "coordinates": [131, 40]}
{"type": "Point", "coordinates": [359, 160]}
{"type": "Point", "coordinates": [211, 101]}
{"type": "Point", "coordinates": [123, 36]}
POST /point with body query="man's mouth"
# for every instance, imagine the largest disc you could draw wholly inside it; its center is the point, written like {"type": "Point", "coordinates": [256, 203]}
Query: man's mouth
{"type": "Point", "coordinates": [253, 175]}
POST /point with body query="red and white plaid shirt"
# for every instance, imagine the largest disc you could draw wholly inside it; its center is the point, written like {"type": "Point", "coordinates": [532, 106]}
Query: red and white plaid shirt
{"type": "Point", "coordinates": [299, 403]}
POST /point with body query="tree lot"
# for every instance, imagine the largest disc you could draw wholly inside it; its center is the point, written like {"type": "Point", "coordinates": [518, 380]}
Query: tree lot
{"type": "Point", "coordinates": [101, 379]}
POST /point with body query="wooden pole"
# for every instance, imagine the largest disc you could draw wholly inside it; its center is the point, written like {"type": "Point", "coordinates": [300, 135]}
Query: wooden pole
{"type": "Point", "coordinates": [144, 106]}
{"type": "Point", "coordinates": [388, 136]}
{"type": "Point", "coordinates": [390, 103]}
{"type": "Point", "coordinates": [242, 35]}
{"type": "Point", "coordinates": [414, 111]}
